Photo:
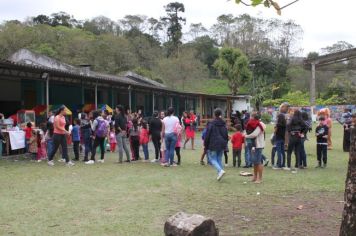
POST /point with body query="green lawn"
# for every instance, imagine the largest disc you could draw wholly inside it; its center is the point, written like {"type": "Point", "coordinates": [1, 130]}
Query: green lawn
{"type": "Point", "coordinates": [135, 199]}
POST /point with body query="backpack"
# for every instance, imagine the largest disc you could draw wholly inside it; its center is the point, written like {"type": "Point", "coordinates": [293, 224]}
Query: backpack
{"type": "Point", "coordinates": [101, 129]}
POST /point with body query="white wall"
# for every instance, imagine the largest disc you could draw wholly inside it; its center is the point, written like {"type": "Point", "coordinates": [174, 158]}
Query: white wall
{"type": "Point", "coordinates": [241, 104]}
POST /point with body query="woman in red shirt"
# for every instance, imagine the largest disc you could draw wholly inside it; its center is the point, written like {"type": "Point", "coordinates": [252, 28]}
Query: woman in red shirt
{"type": "Point", "coordinates": [59, 137]}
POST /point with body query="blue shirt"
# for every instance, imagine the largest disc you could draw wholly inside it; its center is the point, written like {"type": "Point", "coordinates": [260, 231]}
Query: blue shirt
{"type": "Point", "coordinates": [75, 133]}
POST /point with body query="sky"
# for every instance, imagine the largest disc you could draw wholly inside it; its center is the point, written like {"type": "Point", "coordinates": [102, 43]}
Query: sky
{"type": "Point", "coordinates": [324, 21]}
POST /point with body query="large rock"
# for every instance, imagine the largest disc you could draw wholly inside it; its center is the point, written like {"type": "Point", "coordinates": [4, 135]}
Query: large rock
{"type": "Point", "coordinates": [182, 224]}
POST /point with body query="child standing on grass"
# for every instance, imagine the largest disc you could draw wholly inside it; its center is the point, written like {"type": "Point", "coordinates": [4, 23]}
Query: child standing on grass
{"type": "Point", "coordinates": [41, 147]}
{"type": "Point", "coordinates": [144, 139]}
{"type": "Point", "coordinates": [32, 144]}
{"type": "Point", "coordinates": [134, 135]}
{"type": "Point", "coordinates": [237, 140]}
{"type": "Point", "coordinates": [76, 138]}
{"type": "Point", "coordinates": [321, 133]}
{"type": "Point", "coordinates": [178, 147]}
{"type": "Point", "coordinates": [112, 139]}
{"type": "Point", "coordinates": [28, 135]}
{"type": "Point", "coordinates": [49, 137]}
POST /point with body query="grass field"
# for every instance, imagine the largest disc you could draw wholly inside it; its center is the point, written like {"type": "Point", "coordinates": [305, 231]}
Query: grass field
{"type": "Point", "coordinates": [136, 199]}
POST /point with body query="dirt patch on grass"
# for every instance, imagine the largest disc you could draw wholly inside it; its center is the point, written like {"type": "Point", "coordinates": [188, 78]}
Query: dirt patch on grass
{"type": "Point", "coordinates": [318, 214]}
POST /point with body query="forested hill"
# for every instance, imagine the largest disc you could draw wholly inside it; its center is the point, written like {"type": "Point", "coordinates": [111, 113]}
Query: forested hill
{"type": "Point", "coordinates": [160, 50]}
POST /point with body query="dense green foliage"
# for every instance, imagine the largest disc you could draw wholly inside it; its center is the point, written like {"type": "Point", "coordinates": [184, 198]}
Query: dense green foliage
{"type": "Point", "coordinates": [266, 118]}
{"type": "Point", "coordinates": [232, 65]}
{"type": "Point", "coordinates": [160, 50]}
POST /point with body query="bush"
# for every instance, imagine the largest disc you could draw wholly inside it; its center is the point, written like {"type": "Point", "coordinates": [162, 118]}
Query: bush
{"type": "Point", "coordinates": [266, 118]}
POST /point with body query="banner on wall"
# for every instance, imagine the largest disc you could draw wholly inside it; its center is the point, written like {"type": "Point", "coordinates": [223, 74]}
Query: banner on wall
{"type": "Point", "coordinates": [336, 110]}
{"type": "Point", "coordinates": [17, 139]}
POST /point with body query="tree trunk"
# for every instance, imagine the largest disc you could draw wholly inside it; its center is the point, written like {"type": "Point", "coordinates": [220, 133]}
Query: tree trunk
{"type": "Point", "coordinates": [348, 224]}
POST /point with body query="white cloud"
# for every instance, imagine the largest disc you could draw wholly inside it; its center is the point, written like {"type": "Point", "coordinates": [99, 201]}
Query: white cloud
{"type": "Point", "coordinates": [323, 21]}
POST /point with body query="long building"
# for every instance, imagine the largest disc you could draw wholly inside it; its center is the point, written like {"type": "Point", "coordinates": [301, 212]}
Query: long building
{"type": "Point", "coordinates": [28, 79]}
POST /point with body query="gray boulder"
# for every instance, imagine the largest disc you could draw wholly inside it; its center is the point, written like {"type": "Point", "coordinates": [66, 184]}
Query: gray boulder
{"type": "Point", "coordinates": [182, 224]}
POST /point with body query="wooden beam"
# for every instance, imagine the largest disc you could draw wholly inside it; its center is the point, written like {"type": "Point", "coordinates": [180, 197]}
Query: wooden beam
{"type": "Point", "coordinates": [332, 57]}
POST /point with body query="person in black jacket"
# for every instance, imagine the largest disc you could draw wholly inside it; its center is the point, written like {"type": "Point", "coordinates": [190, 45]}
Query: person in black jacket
{"type": "Point", "coordinates": [215, 142]}
{"type": "Point", "coordinates": [155, 126]}
{"type": "Point", "coordinates": [85, 129]}
{"type": "Point", "coordinates": [296, 129]}
{"type": "Point", "coordinates": [121, 132]}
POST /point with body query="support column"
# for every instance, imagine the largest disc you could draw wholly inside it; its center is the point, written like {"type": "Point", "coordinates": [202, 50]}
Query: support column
{"type": "Point", "coordinates": [153, 102]}
{"type": "Point", "coordinates": [312, 85]}
{"type": "Point", "coordinates": [96, 95]}
{"type": "Point", "coordinates": [82, 91]}
{"type": "Point", "coordinates": [130, 101]}
{"type": "Point", "coordinates": [112, 98]}
{"type": "Point", "coordinates": [47, 94]}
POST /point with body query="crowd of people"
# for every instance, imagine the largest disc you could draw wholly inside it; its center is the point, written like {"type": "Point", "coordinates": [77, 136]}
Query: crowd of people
{"type": "Point", "coordinates": [126, 133]}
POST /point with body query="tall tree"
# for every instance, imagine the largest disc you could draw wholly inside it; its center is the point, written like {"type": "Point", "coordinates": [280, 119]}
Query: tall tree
{"type": "Point", "coordinates": [291, 35]}
{"type": "Point", "coordinates": [337, 47]}
{"type": "Point", "coordinates": [174, 31]}
{"type": "Point", "coordinates": [183, 72]}
{"type": "Point", "coordinates": [206, 51]}
{"type": "Point", "coordinates": [154, 27]}
{"type": "Point", "coordinates": [233, 65]}
{"type": "Point", "coordinates": [41, 19]}
{"type": "Point", "coordinates": [133, 22]}
{"type": "Point", "coordinates": [223, 29]}
{"type": "Point", "coordinates": [100, 25]}
{"type": "Point", "coordinates": [197, 30]}
{"type": "Point", "coordinates": [64, 19]}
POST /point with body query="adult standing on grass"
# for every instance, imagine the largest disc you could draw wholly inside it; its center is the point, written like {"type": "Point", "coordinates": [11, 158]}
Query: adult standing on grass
{"type": "Point", "coordinates": [279, 135]}
{"type": "Point", "coordinates": [296, 129]}
{"type": "Point", "coordinates": [303, 154]}
{"type": "Point", "coordinates": [59, 137]}
{"type": "Point", "coordinates": [121, 133]}
{"type": "Point", "coordinates": [100, 126]}
{"type": "Point", "coordinates": [85, 129]}
{"type": "Point", "coordinates": [169, 132]}
{"type": "Point", "coordinates": [76, 138]}
{"type": "Point", "coordinates": [215, 142]}
{"type": "Point", "coordinates": [258, 135]}
{"type": "Point", "coordinates": [155, 130]}
{"type": "Point", "coordinates": [346, 123]}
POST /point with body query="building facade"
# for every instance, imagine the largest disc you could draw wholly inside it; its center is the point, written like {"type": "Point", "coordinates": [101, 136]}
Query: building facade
{"type": "Point", "coordinates": [28, 79]}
